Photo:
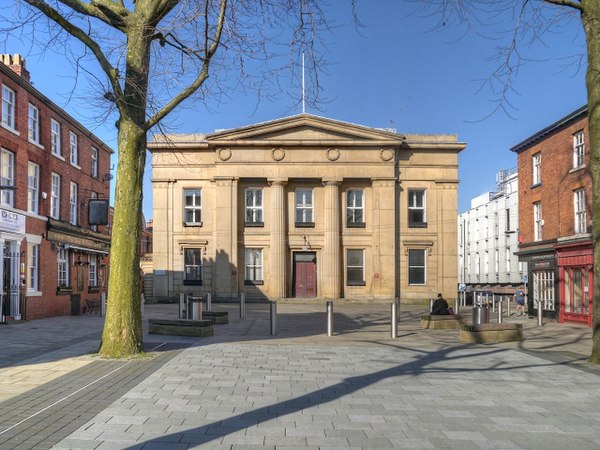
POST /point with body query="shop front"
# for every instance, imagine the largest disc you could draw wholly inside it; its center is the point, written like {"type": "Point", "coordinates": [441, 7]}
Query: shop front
{"type": "Point", "coordinates": [12, 270]}
{"type": "Point", "coordinates": [576, 281]}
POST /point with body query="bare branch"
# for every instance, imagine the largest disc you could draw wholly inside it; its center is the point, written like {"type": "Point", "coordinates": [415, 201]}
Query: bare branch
{"type": "Point", "coordinates": [202, 75]}
{"type": "Point", "coordinates": [79, 34]}
{"type": "Point", "coordinates": [111, 13]}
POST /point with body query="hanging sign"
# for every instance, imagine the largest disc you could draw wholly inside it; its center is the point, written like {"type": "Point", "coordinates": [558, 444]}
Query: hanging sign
{"type": "Point", "coordinates": [12, 222]}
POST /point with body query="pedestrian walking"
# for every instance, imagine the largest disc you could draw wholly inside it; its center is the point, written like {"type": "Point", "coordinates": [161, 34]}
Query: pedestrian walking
{"type": "Point", "coordinates": [520, 298]}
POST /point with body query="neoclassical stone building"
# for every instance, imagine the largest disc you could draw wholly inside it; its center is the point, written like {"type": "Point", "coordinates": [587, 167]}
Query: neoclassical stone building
{"type": "Point", "coordinates": [305, 206]}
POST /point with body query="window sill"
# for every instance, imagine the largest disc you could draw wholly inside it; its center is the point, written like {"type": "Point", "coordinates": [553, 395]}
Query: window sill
{"type": "Point", "coordinates": [192, 282]}
{"type": "Point", "coordinates": [355, 225]}
{"type": "Point", "coordinates": [254, 224]}
{"type": "Point", "coordinates": [356, 283]}
{"type": "Point", "coordinates": [253, 282]}
{"type": "Point", "coordinates": [37, 144]}
{"type": "Point", "coordinates": [93, 289]}
{"type": "Point", "coordinates": [535, 185]}
{"type": "Point", "coordinates": [304, 224]}
{"type": "Point", "coordinates": [417, 225]}
{"type": "Point", "coordinates": [56, 155]}
{"type": "Point", "coordinates": [11, 129]}
{"type": "Point", "coordinates": [64, 290]}
{"type": "Point", "coordinates": [192, 224]}
{"type": "Point", "coordinates": [577, 169]}
{"type": "Point", "coordinates": [33, 293]}
{"type": "Point", "coordinates": [76, 166]}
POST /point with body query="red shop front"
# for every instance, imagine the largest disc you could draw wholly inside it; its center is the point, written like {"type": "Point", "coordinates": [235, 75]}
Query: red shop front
{"type": "Point", "coordinates": [575, 281]}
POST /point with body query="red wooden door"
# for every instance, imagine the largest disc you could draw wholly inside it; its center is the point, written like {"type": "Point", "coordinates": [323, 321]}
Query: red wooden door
{"type": "Point", "coordinates": [305, 279]}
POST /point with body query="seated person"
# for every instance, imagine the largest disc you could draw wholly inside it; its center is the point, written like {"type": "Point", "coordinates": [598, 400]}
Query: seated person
{"type": "Point", "coordinates": [440, 306]}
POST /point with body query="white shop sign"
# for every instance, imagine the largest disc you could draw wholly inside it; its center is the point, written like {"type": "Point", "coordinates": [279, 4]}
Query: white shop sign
{"type": "Point", "coordinates": [12, 222]}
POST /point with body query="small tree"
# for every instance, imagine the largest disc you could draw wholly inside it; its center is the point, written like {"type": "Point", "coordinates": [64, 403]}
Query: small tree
{"type": "Point", "coordinates": [155, 54]}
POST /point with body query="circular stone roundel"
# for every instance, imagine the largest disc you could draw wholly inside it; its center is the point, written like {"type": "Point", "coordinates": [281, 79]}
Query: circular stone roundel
{"type": "Point", "coordinates": [278, 154]}
{"type": "Point", "coordinates": [333, 154]}
{"type": "Point", "coordinates": [386, 154]}
{"type": "Point", "coordinates": [224, 154]}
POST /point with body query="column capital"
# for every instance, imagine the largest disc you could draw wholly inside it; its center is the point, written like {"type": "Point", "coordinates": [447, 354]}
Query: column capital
{"type": "Point", "coordinates": [331, 181]}
{"type": "Point", "coordinates": [277, 181]}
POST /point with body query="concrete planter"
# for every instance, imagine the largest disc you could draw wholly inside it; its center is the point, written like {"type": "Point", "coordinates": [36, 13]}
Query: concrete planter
{"type": "Point", "coordinates": [441, 322]}
{"type": "Point", "coordinates": [491, 333]}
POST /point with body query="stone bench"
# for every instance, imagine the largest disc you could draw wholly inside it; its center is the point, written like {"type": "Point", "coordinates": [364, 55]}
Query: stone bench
{"type": "Point", "coordinates": [491, 333]}
{"type": "Point", "coordinates": [181, 327]}
{"type": "Point", "coordinates": [441, 322]}
{"type": "Point", "coordinates": [216, 317]}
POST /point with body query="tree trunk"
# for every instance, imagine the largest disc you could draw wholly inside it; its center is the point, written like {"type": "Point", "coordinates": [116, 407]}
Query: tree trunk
{"type": "Point", "coordinates": [122, 335]}
{"type": "Point", "coordinates": [591, 23]}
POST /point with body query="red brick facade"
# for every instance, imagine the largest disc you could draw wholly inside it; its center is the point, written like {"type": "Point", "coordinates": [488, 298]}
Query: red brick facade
{"type": "Point", "coordinates": [78, 242]}
{"type": "Point", "coordinates": [561, 178]}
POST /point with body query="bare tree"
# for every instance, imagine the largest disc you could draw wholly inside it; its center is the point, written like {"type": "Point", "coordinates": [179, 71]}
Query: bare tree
{"type": "Point", "coordinates": [532, 19]}
{"type": "Point", "coordinates": [153, 55]}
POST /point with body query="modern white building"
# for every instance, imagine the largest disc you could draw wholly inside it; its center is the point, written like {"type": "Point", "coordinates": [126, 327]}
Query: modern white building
{"type": "Point", "coordinates": [488, 237]}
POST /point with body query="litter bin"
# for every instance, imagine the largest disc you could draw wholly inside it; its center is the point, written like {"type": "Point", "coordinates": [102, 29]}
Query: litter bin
{"type": "Point", "coordinates": [75, 299]}
{"type": "Point", "coordinates": [481, 314]}
{"type": "Point", "coordinates": [195, 308]}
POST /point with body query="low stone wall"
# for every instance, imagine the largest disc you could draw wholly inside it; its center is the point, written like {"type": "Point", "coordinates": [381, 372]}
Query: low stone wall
{"type": "Point", "coordinates": [441, 322]}
{"type": "Point", "coordinates": [181, 327]}
{"type": "Point", "coordinates": [491, 333]}
{"type": "Point", "coordinates": [216, 317]}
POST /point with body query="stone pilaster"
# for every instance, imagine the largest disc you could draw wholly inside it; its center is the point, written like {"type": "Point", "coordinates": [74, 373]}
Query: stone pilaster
{"type": "Point", "coordinates": [331, 266]}
{"type": "Point", "coordinates": [226, 238]}
{"type": "Point", "coordinates": [278, 245]}
{"type": "Point", "coordinates": [383, 250]}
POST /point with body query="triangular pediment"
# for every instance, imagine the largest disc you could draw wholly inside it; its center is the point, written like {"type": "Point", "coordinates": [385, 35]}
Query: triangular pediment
{"type": "Point", "coordinates": [305, 129]}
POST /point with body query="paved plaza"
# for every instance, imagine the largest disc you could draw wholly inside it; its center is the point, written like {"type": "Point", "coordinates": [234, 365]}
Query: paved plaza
{"type": "Point", "coordinates": [243, 388]}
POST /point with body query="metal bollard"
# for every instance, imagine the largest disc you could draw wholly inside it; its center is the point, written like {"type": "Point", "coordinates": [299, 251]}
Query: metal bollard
{"type": "Point", "coordinates": [394, 320]}
{"type": "Point", "coordinates": [102, 304]}
{"type": "Point", "coordinates": [508, 306]}
{"type": "Point", "coordinates": [430, 304]}
{"type": "Point", "coordinates": [197, 310]}
{"type": "Point", "coordinates": [182, 306]}
{"type": "Point", "coordinates": [142, 303]}
{"type": "Point", "coordinates": [456, 306]}
{"type": "Point", "coordinates": [500, 310]}
{"type": "Point", "coordinates": [329, 318]}
{"type": "Point", "coordinates": [397, 300]}
{"type": "Point", "coordinates": [242, 305]}
{"type": "Point", "coordinates": [540, 323]}
{"type": "Point", "coordinates": [493, 302]}
{"type": "Point", "coordinates": [209, 302]}
{"type": "Point", "coordinates": [273, 318]}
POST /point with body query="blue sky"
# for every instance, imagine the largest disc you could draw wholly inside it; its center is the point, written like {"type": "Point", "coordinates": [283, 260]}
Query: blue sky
{"type": "Point", "coordinates": [395, 71]}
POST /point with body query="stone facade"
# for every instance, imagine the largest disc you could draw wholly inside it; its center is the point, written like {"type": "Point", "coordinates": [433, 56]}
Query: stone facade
{"type": "Point", "coordinates": [305, 207]}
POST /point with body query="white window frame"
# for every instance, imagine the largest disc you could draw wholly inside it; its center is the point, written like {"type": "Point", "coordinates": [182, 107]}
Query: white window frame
{"type": "Point", "coordinates": [417, 204]}
{"type": "Point", "coordinates": [94, 196]}
{"type": "Point", "coordinates": [62, 268]}
{"type": "Point", "coordinates": [33, 188]}
{"type": "Point", "coordinates": [413, 267]}
{"type": "Point", "coordinates": [578, 150]}
{"type": "Point", "coordinates": [73, 203]}
{"type": "Point", "coordinates": [253, 199]}
{"type": "Point", "coordinates": [537, 168]}
{"type": "Point", "coordinates": [192, 212]}
{"type": "Point", "coordinates": [538, 222]}
{"type": "Point", "coordinates": [253, 264]}
{"type": "Point", "coordinates": [508, 257]}
{"type": "Point", "coordinates": [355, 207]}
{"type": "Point", "coordinates": [7, 177]}
{"type": "Point", "coordinates": [94, 156]}
{"type": "Point", "coordinates": [192, 260]}
{"type": "Point", "coordinates": [357, 268]}
{"type": "Point", "coordinates": [8, 108]}
{"type": "Point", "coordinates": [74, 149]}
{"type": "Point", "coordinates": [579, 211]}
{"type": "Point", "coordinates": [33, 122]}
{"type": "Point", "coordinates": [92, 271]}
{"type": "Point", "coordinates": [55, 137]}
{"type": "Point", "coordinates": [304, 213]}
{"type": "Point", "coordinates": [33, 267]}
{"type": "Point", "coordinates": [486, 262]}
{"type": "Point", "coordinates": [55, 196]}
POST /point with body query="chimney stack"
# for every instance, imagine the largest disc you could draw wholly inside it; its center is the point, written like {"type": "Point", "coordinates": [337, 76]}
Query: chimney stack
{"type": "Point", "coordinates": [17, 64]}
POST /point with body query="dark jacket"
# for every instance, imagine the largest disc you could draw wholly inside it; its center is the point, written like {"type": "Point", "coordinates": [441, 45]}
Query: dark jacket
{"type": "Point", "coordinates": [439, 307]}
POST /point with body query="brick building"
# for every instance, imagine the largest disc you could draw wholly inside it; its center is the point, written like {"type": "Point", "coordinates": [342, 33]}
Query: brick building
{"type": "Point", "coordinates": [50, 169]}
{"type": "Point", "coordinates": [555, 194]}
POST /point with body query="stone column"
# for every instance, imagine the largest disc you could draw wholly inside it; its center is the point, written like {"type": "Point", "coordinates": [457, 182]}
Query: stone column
{"type": "Point", "coordinates": [278, 250]}
{"type": "Point", "coordinates": [226, 238]}
{"type": "Point", "coordinates": [330, 265]}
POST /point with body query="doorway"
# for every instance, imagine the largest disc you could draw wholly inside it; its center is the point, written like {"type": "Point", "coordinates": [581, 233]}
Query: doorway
{"type": "Point", "coordinates": [305, 274]}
